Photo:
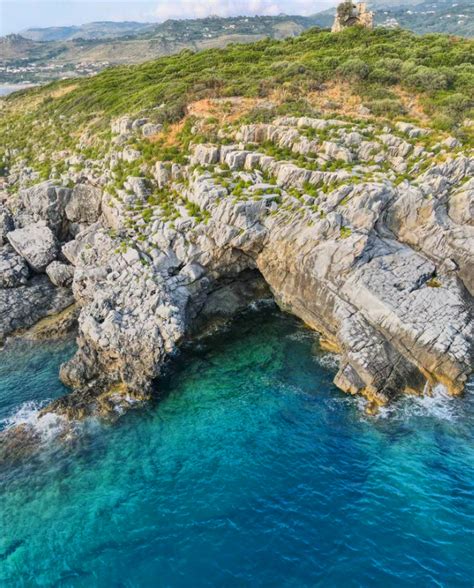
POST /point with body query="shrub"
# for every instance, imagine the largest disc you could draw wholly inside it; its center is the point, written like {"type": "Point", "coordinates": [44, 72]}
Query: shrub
{"type": "Point", "coordinates": [354, 69]}
{"type": "Point", "coordinates": [385, 107]}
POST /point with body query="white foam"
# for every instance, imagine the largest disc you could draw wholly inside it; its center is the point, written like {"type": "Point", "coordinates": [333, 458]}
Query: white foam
{"type": "Point", "coordinates": [437, 404]}
{"type": "Point", "coordinates": [47, 426]}
{"type": "Point", "coordinates": [328, 360]}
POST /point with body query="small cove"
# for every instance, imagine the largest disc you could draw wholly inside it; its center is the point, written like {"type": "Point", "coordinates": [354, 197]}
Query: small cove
{"type": "Point", "coordinates": [253, 469]}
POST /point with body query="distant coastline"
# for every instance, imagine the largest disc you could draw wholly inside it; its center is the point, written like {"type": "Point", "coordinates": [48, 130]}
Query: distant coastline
{"type": "Point", "coordinates": [6, 89]}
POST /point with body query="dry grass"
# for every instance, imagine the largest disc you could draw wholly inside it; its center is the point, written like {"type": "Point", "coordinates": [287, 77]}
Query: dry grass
{"type": "Point", "coordinates": [59, 92]}
{"type": "Point", "coordinates": [225, 110]}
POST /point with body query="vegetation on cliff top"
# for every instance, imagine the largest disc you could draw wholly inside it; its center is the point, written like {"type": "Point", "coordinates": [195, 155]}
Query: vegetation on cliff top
{"type": "Point", "coordinates": [437, 68]}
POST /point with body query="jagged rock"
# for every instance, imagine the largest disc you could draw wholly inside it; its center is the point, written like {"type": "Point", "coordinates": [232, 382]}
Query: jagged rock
{"type": "Point", "coordinates": [162, 174]}
{"type": "Point", "coordinates": [122, 126]}
{"type": "Point", "coordinates": [36, 244]}
{"type": "Point", "coordinates": [84, 204]}
{"type": "Point", "coordinates": [14, 271]}
{"type": "Point", "coordinates": [149, 129]}
{"type": "Point", "coordinates": [205, 155]}
{"type": "Point", "coordinates": [129, 154]}
{"type": "Point", "coordinates": [46, 202]}
{"type": "Point", "coordinates": [139, 123]}
{"type": "Point", "coordinates": [461, 204]}
{"type": "Point", "coordinates": [451, 143]}
{"type": "Point", "coordinates": [411, 130]}
{"type": "Point", "coordinates": [55, 326]}
{"type": "Point", "coordinates": [380, 265]}
{"type": "Point", "coordinates": [22, 307]}
{"type": "Point", "coordinates": [61, 274]}
{"type": "Point", "coordinates": [139, 186]}
{"type": "Point", "coordinates": [335, 151]}
{"type": "Point", "coordinates": [6, 224]}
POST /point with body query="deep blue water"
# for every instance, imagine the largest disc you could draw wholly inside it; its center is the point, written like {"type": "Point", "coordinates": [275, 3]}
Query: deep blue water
{"type": "Point", "coordinates": [253, 470]}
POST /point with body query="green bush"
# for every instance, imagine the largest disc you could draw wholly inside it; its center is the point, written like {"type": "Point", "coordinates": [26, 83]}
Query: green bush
{"type": "Point", "coordinates": [385, 107]}
{"type": "Point", "coordinates": [354, 70]}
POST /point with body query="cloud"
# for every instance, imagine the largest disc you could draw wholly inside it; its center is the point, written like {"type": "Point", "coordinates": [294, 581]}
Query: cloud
{"type": "Point", "coordinates": [198, 9]}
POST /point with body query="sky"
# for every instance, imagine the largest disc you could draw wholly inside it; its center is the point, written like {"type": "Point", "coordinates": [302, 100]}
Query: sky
{"type": "Point", "coordinates": [17, 15]}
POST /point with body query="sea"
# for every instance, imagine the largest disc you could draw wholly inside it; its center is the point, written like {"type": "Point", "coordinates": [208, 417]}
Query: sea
{"type": "Point", "coordinates": [249, 469]}
{"type": "Point", "coordinates": [6, 89]}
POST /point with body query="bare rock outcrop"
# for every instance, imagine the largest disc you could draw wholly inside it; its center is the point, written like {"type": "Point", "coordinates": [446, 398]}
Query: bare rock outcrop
{"type": "Point", "coordinates": [365, 235]}
{"type": "Point", "coordinates": [24, 306]}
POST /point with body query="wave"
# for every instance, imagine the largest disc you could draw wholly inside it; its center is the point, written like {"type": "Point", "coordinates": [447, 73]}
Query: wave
{"type": "Point", "coordinates": [47, 426]}
{"type": "Point", "coordinates": [329, 361]}
{"type": "Point", "coordinates": [438, 404]}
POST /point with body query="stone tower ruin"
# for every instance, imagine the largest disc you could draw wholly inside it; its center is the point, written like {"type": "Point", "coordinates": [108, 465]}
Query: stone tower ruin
{"type": "Point", "coordinates": [349, 14]}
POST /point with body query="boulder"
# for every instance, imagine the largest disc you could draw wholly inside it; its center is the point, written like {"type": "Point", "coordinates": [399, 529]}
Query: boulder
{"type": "Point", "coordinates": [122, 126]}
{"type": "Point", "coordinates": [139, 123]}
{"type": "Point", "coordinates": [6, 224]}
{"type": "Point", "coordinates": [61, 274]}
{"type": "Point", "coordinates": [149, 129]}
{"type": "Point", "coordinates": [162, 174]}
{"type": "Point", "coordinates": [47, 202]}
{"type": "Point", "coordinates": [36, 244]}
{"type": "Point", "coordinates": [84, 204]}
{"type": "Point", "coordinates": [205, 155]}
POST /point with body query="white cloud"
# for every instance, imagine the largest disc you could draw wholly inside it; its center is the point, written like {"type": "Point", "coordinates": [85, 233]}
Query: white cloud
{"type": "Point", "coordinates": [198, 9]}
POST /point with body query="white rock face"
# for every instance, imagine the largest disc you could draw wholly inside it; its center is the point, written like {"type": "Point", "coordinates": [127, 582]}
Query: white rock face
{"type": "Point", "coordinates": [36, 244]}
{"type": "Point", "coordinates": [46, 202]}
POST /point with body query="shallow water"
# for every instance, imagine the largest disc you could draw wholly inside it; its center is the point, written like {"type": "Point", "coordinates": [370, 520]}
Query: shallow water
{"type": "Point", "coordinates": [253, 470]}
{"type": "Point", "coordinates": [29, 377]}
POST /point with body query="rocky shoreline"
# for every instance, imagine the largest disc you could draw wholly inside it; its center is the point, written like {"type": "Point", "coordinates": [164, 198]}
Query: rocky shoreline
{"type": "Point", "coordinates": [368, 237]}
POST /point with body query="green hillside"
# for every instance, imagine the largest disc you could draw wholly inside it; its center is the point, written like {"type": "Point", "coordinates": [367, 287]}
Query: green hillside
{"type": "Point", "coordinates": [375, 65]}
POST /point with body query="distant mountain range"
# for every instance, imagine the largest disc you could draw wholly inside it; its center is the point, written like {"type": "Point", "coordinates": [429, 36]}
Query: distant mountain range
{"type": "Point", "coordinates": [92, 30]}
{"type": "Point", "coordinates": [42, 54]}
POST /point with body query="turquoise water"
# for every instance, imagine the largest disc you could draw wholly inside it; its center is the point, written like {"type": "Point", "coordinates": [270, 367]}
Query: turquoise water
{"type": "Point", "coordinates": [253, 470]}
{"type": "Point", "coordinates": [29, 376]}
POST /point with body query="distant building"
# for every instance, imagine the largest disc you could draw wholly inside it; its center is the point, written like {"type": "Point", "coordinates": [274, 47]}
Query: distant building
{"type": "Point", "coordinates": [349, 14]}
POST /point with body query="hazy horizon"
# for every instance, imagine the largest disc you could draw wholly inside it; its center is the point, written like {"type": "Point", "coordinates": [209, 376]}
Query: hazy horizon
{"type": "Point", "coordinates": [19, 15]}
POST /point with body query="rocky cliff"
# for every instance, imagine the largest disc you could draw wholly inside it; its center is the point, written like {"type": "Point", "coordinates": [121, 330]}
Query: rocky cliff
{"type": "Point", "coordinates": [363, 230]}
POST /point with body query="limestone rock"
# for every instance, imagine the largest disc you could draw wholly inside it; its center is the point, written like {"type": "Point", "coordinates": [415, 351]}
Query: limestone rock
{"type": "Point", "coordinates": [149, 129]}
{"type": "Point", "coordinates": [22, 307]}
{"type": "Point", "coordinates": [14, 271]}
{"type": "Point", "coordinates": [47, 202]}
{"type": "Point", "coordinates": [122, 126]}
{"type": "Point", "coordinates": [61, 274]}
{"type": "Point", "coordinates": [377, 260]}
{"type": "Point", "coordinates": [36, 244]}
{"type": "Point", "coordinates": [84, 204]}
{"type": "Point", "coordinates": [6, 224]}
